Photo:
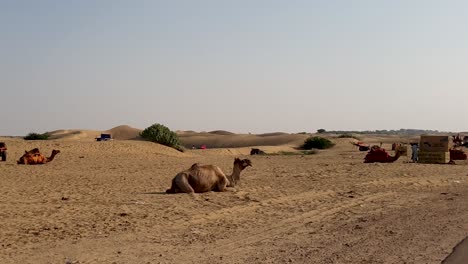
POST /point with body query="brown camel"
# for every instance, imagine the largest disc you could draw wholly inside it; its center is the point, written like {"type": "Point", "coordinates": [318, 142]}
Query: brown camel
{"type": "Point", "coordinates": [204, 178]}
{"type": "Point", "coordinates": [34, 157]}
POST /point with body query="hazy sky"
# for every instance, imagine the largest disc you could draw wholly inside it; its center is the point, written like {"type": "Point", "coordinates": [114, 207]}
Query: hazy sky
{"type": "Point", "coordinates": [240, 65]}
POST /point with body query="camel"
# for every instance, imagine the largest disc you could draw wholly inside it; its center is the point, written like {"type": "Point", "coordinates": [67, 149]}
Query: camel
{"type": "Point", "coordinates": [204, 178]}
{"type": "Point", "coordinates": [378, 154]}
{"type": "Point", "coordinates": [34, 157]}
{"type": "Point", "coordinates": [256, 151]}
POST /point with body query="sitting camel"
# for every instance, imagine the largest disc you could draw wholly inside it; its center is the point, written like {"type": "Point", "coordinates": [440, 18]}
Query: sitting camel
{"type": "Point", "coordinates": [34, 157]}
{"type": "Point", "coordinates": [256, 151]}
{"type": "Point", "coordinates": [379, 154]}
{"type": "Point", "coordinates": [204, 178]}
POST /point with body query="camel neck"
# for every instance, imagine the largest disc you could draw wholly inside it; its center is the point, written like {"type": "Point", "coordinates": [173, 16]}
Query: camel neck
{"type": "Point", "coordinates": [52, 156]}
{"type": "Point", "coordinates": [235, 176]}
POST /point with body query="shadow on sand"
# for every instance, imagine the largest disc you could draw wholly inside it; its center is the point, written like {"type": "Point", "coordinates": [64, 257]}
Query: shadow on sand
{"type": "Point", "coordinates": [459, 254]}
{"type": "Point", "coordinates": [160, 193]}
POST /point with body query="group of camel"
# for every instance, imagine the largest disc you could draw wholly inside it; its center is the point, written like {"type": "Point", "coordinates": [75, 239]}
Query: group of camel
{"type": "Point", "coordinates": [197, 179]}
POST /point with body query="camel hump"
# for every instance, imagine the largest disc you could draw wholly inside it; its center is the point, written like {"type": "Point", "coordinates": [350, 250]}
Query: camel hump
{"type": "Point", "coordinates": [195, 165]}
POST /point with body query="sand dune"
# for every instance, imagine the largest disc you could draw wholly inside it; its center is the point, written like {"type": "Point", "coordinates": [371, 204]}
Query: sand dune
{"type": "Point", "coordinates": [223, 139]}
{"type": "Point", "coordinates": [213, 139]}
{"type": "Point", "coordinates": [221, 132]}
{"type": "Point", "coordinates": [124, 132]}
{"type": "Point", "coordinates": [272, 134]}
{"type": "Point", "coordinates": [231, 141]}
{"type": "Point", "coordinates": [74, 134]}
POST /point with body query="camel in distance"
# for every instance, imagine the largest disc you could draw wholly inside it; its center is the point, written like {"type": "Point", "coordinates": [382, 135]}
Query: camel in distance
{"type": "Point", "coordinates": [204, 178]}
{"type": "Point", "coordinates": [35, 157]}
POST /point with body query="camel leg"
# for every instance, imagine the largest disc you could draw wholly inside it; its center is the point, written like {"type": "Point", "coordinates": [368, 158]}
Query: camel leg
{"type": "Point", "coordinates": [181, 182]}
{"type": "Point", "coordinates": [174, 187]}
{"type": "Point", "coordinates": [223, 182]}
{"type": "Point", "coordinates": [231, 189]}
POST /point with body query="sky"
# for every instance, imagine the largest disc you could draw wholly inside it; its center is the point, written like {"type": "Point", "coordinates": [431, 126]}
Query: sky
{"type": "Point", "coordinates": [243, 66]}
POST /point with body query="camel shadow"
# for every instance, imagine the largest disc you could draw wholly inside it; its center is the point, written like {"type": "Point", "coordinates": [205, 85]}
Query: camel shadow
{"type": "Point", "coordinates": [160, 193]}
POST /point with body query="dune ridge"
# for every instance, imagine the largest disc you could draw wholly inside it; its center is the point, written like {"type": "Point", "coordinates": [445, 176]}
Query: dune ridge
{"type": "Point", "coordinates": [189, 139]}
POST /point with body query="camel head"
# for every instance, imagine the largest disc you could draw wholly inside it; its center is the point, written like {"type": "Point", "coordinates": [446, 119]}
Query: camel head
{"type": "Point", "coordinates": [399, 152]}
{"type": "Point", "coordinates": [52, 156]}
{"type": "Point", "coordinates": [242, 164]}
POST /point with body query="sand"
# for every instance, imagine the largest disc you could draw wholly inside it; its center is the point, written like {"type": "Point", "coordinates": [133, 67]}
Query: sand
{"type": "Point", "coordinates": [104, 202]}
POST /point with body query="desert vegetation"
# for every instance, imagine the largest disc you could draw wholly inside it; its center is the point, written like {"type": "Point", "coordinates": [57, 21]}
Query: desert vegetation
{"type": "Point", "coordinates": [162, 135]}
{"type": "Point", "coordinates": [36, 136]}
{"type": "Point", "coordinates": [317, 143]}
{"type": "Point", "coordinates": [348, 135]}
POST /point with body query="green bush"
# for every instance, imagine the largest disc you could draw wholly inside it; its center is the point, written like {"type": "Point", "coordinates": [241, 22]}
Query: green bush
{"type": "Point", "coordinates": [317, 143]}
{"type": "Point", "coordinates": [348, 136]}
{"type": "Point", "coordinates": [37, 136]}
{"type": "Point", "coordinates": [161, 134]}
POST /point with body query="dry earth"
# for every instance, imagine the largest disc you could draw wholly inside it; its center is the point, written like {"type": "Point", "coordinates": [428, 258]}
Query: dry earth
{"type": "Point", "coordinates": [104, 202]}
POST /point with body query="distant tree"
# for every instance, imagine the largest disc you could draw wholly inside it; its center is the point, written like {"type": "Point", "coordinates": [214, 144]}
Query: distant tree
{"type": "Point", "coordinates": [321, 131]}
{"type": "Point", "coordinates": [347, 135]}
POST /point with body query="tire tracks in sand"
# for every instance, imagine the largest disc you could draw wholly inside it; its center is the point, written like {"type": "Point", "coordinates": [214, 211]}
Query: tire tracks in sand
{"type": "Point", "coordinates": [321, 205]}
{"type": "Point", "coordinates": [321, 213]}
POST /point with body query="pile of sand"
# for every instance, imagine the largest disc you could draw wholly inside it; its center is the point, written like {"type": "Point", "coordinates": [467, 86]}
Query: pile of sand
{"type": "Point", "coordinates": [74, 134]}
{"type": "Point", "coordinates": [124, 132]}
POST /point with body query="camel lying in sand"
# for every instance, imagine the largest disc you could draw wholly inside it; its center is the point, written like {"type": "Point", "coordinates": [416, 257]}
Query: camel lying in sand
{"type": "Point", "coordinates": [205, 178]}
{"type": "Point", "coordinates": [34, 157]}
{"type": "Point", "coordinates": [378, 154]}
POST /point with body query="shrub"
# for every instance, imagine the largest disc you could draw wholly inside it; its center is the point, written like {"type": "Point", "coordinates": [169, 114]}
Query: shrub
{"type": "Point", "coordinates": [317, 143]}
{"type": "Point", "coordinates": [321, 131]}
{"type": "Point", "coordinates": [37, 136]}
{"type": "Point", "coordinates": [180, 148]}
{"type": "Point", "coordinates": [348, 136]}
{"type": "Point", "coordinates": [161, 134]}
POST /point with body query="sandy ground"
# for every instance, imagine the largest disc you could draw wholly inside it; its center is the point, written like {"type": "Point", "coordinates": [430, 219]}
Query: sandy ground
{"type": "Point", "coordinates": [104, 202]}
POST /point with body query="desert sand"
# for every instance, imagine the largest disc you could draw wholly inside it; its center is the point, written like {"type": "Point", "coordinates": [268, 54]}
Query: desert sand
{"type": "Point", "coordinates": [105, 202]}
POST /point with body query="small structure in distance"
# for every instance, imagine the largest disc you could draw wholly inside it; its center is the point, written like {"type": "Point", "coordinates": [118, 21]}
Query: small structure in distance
{"type": "Point", "coordinates": [104, 137]}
